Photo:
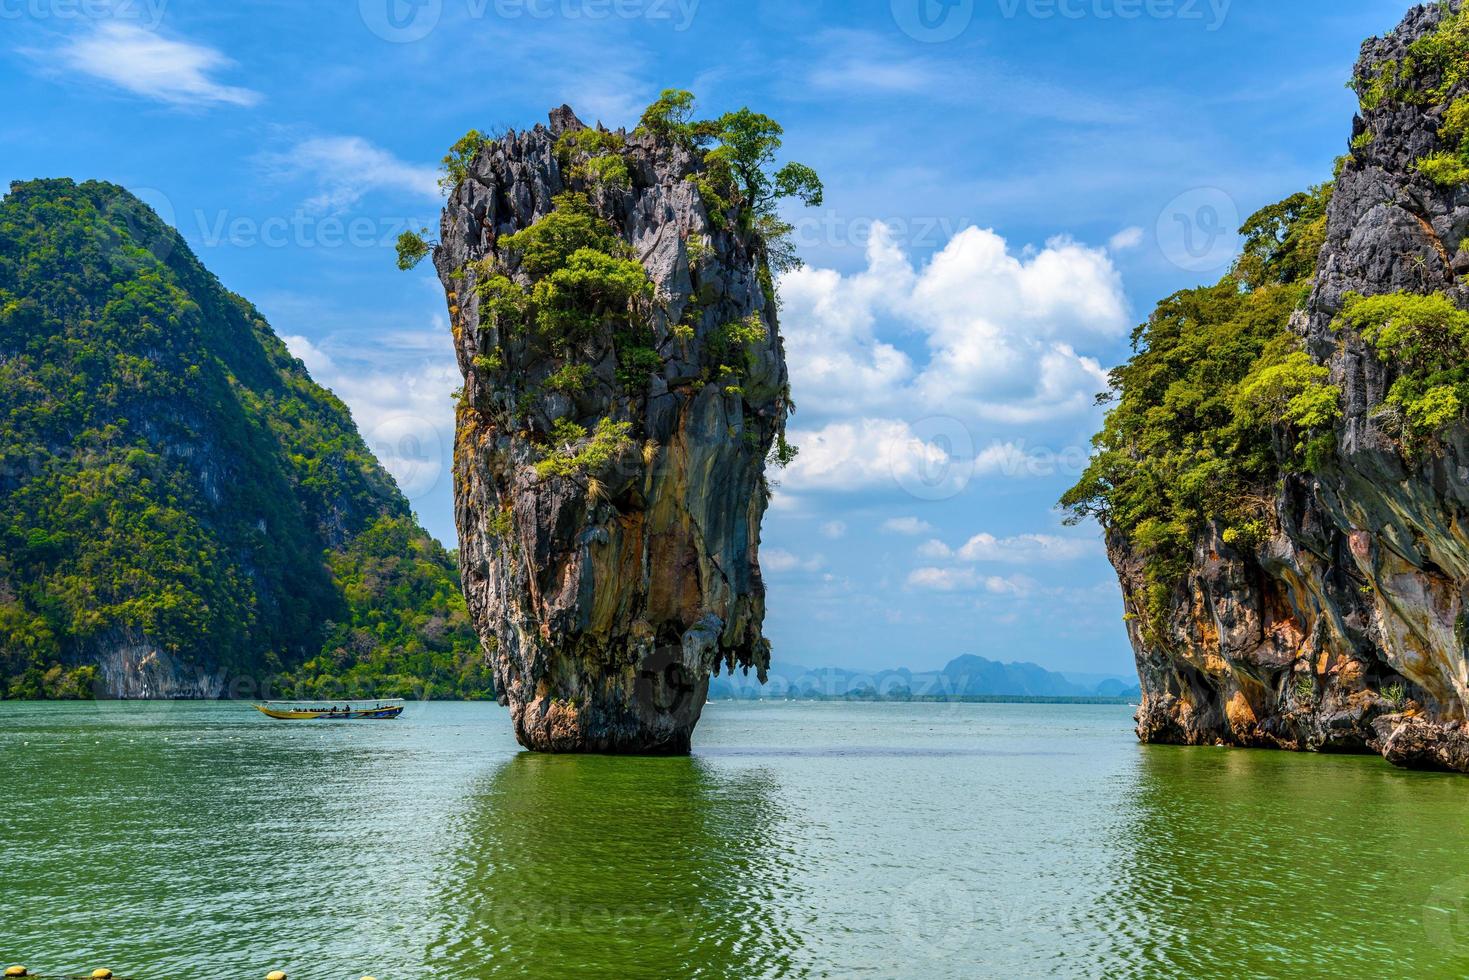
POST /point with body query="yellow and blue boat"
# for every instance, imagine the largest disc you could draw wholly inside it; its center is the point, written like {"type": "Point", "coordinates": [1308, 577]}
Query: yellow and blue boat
{"type": "Point", "coordinates": [332, 710]}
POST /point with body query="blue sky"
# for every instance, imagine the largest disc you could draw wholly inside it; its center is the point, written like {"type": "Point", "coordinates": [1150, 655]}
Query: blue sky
{"type": "Point", "coordinates": [1011, 185]}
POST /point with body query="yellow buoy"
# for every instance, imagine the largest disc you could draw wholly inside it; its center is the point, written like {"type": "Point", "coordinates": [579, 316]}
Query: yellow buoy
{"type": "Point", "coordinates": [16, 971]}
{"type": "Point", "coordinates": [277, 975]}
{"type": "Point", "coordinates": [103, 974]}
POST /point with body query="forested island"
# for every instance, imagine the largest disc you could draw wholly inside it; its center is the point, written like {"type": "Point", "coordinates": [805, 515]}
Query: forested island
{"type": "Point", "coordinates": [183, 512]}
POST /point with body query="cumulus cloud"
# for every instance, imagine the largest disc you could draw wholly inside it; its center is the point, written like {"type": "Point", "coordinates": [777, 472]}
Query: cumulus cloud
{"type": "Point", "coordinates": [401, 400]}
{"type": "Point", "coordinates": [150, 65]}
{"type": "Point", "coordinates": [1127, 238]}
{"type": "Point", "coordinates": [838, 364]}
{"type": "Point", "coordinates": [933, 579]}
{"type": "Point", "coordinates": [906, 525]}
{"type": "Point", "coordinates": [863, 453]}
{"type": "Point", "coordinates": [346, 168]}
{"type": "Point", "coordinates": [778, 561]}
{"type": "Point", "coordinates": [835, 530]}
{"type": "Point", "coordinates": [1005, 334]}
{"type": "Point", "coordinates": [1025, 548]}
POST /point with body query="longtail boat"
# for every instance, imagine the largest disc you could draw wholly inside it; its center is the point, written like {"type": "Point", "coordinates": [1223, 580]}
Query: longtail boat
{"type": "Point", "coordinates": [332, 710]}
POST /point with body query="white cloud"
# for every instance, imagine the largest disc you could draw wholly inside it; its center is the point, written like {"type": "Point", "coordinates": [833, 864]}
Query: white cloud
{"type": "Point", "coordinates": [943, 579]}
{"type": "Point", "coordinates": [1018, 586]}
{"type": "Point", "coordinates": [837, 362]}
{"type": "Point", "coordinates": [404, 411]}
{"type": "Point", "coordinates": [346, 168]}
{"type": "Point", "coordinates": [778, 561]}
{"type": "Point", "coordinates": [834, 530]}
{"type": "Point", "coordinates": [932, 579]}
{"type": "Point", "coordinates": [864, 453]}
{"type": "Point", "coordinates": [935, 550]}
{"type": "Point", "coordinates": [1025, 548]}
{"type": "Point", "coordinates": [155, 67]}
{"type": "Point", "coordinates": [1004, 332]}
{"type": "Point", "coordinates": [906, 525]}
{"type": "Point", "coordinates": [1127, 238]}
{"type": "Point", "coordinates": [1002, 329]}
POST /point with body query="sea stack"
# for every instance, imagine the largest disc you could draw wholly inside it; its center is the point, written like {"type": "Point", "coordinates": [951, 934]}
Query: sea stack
{"type": "Point", "coordinates": [624, 383]}
{"type": "Point", "coordinates": [1338, 620]}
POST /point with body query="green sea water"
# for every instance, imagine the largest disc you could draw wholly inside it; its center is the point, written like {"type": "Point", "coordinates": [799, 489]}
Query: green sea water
{"type": "Point", "coordinates": [843, 840]}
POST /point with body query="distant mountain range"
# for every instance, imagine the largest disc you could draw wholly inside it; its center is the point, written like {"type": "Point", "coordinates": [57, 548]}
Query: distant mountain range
{"type": "Point", "coordinates": [963, 677]}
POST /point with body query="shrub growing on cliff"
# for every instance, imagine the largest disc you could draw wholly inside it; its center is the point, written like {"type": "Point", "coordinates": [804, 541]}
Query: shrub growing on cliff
{"type": "Point", "coordinates": [740, 170]}
{"type": "Point", "coordinates": [672, 118]}
{"type": "Point", "coordinates": [1434, 65]}
{"type": "Point", "coordinates": [1190, 437]}
{"type": "Point", "coordinates": [1396, 696]}
{"type": "Point", "coordinates": [575, 300]}
{"type": "Point", "coordinates": [572, 225]}
{"type": "Point", "coordinates": [1426, 338]}
{"type": "Point", "coordinates": [1451, 166]}
{"type": "Point", "coordinates": [570, 379]}
{"type": "Point", "coordinates": [584, 277]}
{"type": "Point", "coordinates": [592, 155]}
{"type": "Point", "coordinates": [456, 163]}
{"type": "Point", "coordinates": [1290, 391]}
{"type": "Point", "coordinates": [574, 455]}
{"type": "Point", "coordinates": [412, 249]}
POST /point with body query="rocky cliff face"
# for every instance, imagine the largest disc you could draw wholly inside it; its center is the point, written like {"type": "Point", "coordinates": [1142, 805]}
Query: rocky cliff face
{"type": "Point", "coordinates": [1360, 588]}
{"type": "Point", "coordinates": [609, 465]}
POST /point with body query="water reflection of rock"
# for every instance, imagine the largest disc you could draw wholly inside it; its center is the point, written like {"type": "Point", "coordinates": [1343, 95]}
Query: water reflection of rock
{"type": "Point", "coordinates": [1237, 863]}
{"type": "Point", "coordinates": [594, 866]}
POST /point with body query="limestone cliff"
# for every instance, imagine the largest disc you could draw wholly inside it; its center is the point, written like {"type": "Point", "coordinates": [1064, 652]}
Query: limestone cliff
{"type": "Point", "coordinates": [1344, 627]}
{"type": "Point", "coordinates": [612, 432]}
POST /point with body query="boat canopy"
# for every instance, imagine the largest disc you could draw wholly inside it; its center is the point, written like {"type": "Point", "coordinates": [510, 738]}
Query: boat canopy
{"type": "Point", "coordinates": [342, 701]}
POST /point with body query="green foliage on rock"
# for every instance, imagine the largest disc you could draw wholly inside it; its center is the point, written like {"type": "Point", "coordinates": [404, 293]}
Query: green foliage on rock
{"type": "Point", "coordinates": [1433, 67]}
{"type": "Point", "coordinates": [170, 476]}
{"type": "Point", "coordinates": [570, 379]}
{"type": "Point", "coordinates": [740, 150]}
{"type": "Point", "coordinates": [730, 345]}
{"type": "Point", "coordinates": [591, 288]}
{"type": "Point", "coordinates": [412, 249]}
{"type": "Point", "coordinates": [573, 454]}
{"type": "Point", "coordinates": [594, 156]}
{"type": "Point", "coordinates": [1216, 374]}
{"type": "Point", "coordinates": [456, 163]}
{"type": "Point", "coordinates": [1426, 339]}
{"type": "Point", "coordinates": [1450, 167]}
